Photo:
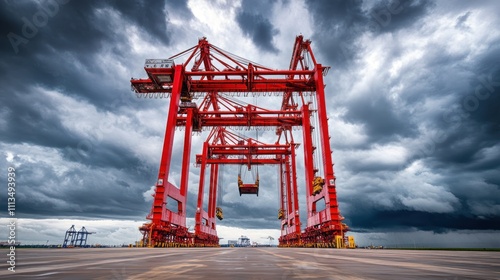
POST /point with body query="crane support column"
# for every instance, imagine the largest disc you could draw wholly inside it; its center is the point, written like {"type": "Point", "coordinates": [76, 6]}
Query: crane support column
{"type": "Point", "coordinates": [204, 231]}
{"type": "Point", "coordinates": [329, 193]}
{"type": "Point", "coordinates": [159, 231]}
{"type": "Point", "coordinates": [185, 162]}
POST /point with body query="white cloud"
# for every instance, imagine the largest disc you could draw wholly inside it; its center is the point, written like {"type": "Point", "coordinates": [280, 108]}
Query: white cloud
{"type": "Point", "coordinates": [216, 21]}
{"type": "Point", "coordinates": [415, 186]}
{"type": "Point", "coordinates": [139, 132]}
{"type": "Point", "coordinates": [344, 133]}
{"type": "Point", "coordinates": [148, 195]}
{"type": "Point", "coordinates": [391, 155]}
{"type": "Point", "coordinates": [9, 156]}
{"type": "Point", "coordinates": [20, 154]}
{"type": "Point", "coordinates": [484, 208]}
{"type": "Point", "coordinates": [255, 235]}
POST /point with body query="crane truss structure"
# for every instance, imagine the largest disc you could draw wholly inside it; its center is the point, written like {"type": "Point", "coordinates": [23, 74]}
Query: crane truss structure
{"type": "Point", "coordinates": [74, 238]}
{"type": "Point", "coordinates": [214, 78]}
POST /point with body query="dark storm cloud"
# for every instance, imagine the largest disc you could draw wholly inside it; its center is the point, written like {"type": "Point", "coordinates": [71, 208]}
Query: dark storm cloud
{"type": "Point", "coordinates": [483, 98]}
{"type": "Point", "coordinates": [343, 21]}
{"type": "Point", "coordinates": [346, 21]}
{"type": "Point", "coordinates": [436, 222]}
{"type": "Point", "coordinates": [179, 7]}
{"type": "Point", "coordinates": [380, 117]}
{"type": "Point", "coordinates": [466, 152]}
{"type": "Point", "coordinates": [463, 145]}
{"type": "Point", "coordinates": [150, 16]}
{"type": "Point", "coordinates": [78, 25]}
{"type": "Point", "coordinates": [470, 124]}
{"type": "Point", "coordinates": [67, 47]}
{"type": "Point", "coordinates": [89, 192]}
{"type": "Point", "coordinates": [101, 155]}
{"type": "Point", "coordinates": [38, 124]}
{"type": "Point", "coordinates": [255, 25]}
{"type": "Point", "coordinates": [58, 51]}
{"type": "Point", "coordinates": [393, 15]}
{"type": "Point", "coordinates": [456, 143]}
{"type": "Point", "coordinates": [467, 203]}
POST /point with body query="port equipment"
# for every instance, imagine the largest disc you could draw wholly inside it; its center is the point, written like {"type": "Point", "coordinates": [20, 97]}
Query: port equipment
{"type": "Point", "coordinates": [202, 92]}
{"type": "Point", "coordinates": [81, 237]}
{"type": "Point", "coordinates": [70, 237]}
{"type": "Point", "coordinates": [74, 238]}
{"type": "Point", "coordinates": [219, 214]}
{"type": "Point", "coordinates": [243, 241]}
{"type": "Point", "coordinates": [248, 188]}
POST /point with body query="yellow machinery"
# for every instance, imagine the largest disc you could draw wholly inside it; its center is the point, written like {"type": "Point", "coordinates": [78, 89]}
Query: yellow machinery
{"type": "Point", "coordinates": [219, 214]}
{"type": "Point", "coordinates": [318, 183]}
{"type": "Point", "coordinates": [339, 241]}
{"type": "Point", "coordinates": [351, 244]}
{"type": "Point", "coordinates": [281, 214]}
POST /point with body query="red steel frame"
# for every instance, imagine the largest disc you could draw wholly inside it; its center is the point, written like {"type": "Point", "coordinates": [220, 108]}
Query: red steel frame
{"type": "Point", "coordinates": [215, 75]}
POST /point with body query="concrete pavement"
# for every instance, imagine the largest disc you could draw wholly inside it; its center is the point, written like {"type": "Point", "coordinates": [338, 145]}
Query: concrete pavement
{"type": "Point", "coordinates": [250, 263]}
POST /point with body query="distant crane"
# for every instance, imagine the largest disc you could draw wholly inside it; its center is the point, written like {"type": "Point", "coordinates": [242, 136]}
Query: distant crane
{"type": "Point", "coordinates": [243, 241]}
{"type": "Point", "coordinates": [81, 237]}
{"type": "Point", "coordinates": [70, 237]}
{"type": "Point", "coordinates": [76, 238]}
{"type": "Point", "coordinates": [270, 239]}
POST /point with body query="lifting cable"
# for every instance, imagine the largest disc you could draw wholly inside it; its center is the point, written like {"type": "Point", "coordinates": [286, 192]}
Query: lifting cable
{"type": "Point", "coordinates": [315, 133]}
{"type": "Point", "coordinates": [218, 209]}
{"type": "Point", "coordinates": [319, 148]}
{"type": "Point", "coordinates": [238, 58]}
{"type": "Point", "coordinates": [257, 139]}
{"type": "Point", "coordinates": [240, 178]}
{"type": "Point", "coordinates": [279, 184]}
{"type": "Point", "coordinates": [220, 184]}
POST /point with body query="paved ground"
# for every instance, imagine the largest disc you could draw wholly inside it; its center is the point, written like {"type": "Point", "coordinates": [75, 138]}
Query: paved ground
{"type": "Point", "coordinates": [250, 263]}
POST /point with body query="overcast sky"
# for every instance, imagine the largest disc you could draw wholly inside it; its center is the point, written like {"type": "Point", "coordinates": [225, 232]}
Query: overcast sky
{"type": "Point", "coordinates": [413, 100]}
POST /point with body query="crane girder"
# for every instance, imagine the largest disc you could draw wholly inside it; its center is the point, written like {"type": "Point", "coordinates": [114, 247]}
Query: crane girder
{"type": "Point", "coordinates": [227, 83]}
{"type": "Point", "coordinates": [243, 119]}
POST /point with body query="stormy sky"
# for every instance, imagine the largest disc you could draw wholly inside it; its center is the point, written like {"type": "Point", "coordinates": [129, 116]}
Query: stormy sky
{"type": "Point", "coordinates": [413, 101]}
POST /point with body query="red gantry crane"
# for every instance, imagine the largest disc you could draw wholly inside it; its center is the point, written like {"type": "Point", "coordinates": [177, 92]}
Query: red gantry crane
{"type": "Point", "coordinates": [214, 79]}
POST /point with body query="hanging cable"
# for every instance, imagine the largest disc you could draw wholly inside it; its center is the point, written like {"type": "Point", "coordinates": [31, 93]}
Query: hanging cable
{"type": "Point", "coordinates": [279, 185]}
{"type": "Point", "coordinates": [220, 185]}
{"type": "Point", "coordinates": [218, 210]}
{"type": "Point", "coordinates": [319, 143]}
